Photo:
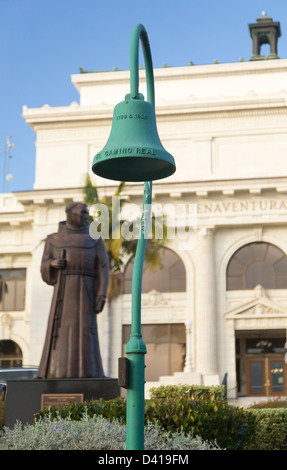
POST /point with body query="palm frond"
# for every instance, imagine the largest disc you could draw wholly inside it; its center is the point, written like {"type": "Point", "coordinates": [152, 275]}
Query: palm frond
{"type": "Point", "coordinates": [120, 188]}
{"type": "Point", "coordinates": [118, 247]}
{"type": "Point", "coordinates": [90, 191]}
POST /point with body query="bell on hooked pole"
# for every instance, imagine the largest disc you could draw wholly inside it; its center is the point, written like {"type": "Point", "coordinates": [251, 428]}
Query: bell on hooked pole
{"type": "Point", "coordinates": [134, 151]}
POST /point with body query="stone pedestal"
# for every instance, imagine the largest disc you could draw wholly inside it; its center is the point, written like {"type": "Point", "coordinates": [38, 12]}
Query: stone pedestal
{"type": "Point", "coordinates": [24, 397]}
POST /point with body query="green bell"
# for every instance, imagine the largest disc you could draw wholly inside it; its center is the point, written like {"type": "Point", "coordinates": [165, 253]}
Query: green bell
{"type": "Point", "coordinates": [134, 151]}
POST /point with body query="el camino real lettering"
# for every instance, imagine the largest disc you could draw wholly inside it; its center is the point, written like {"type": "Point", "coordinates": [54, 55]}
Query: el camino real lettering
{"type": "Point", "coordinates": [242, 206]}
{"type": "Point", "coordinates": [130, 150]}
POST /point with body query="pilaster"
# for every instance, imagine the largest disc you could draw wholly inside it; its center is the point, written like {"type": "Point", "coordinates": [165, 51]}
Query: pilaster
{"type": "Point", "coordinates": [206, 337]}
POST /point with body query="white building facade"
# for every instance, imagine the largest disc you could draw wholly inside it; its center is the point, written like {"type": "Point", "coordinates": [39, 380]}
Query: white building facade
{"type": "Point", "coordinates": [219, 304]}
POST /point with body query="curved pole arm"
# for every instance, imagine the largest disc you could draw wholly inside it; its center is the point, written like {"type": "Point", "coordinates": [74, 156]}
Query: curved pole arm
{"type": "Point", "coordinates": [139, 34]}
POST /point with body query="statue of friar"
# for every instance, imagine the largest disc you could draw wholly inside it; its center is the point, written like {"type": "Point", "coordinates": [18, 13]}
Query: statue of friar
{"type": "Point", "coordinates": [78, 268]}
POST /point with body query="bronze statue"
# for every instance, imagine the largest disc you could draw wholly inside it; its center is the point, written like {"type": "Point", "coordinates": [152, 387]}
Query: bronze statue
{"type": "Point", "coordinates": [78, 268]}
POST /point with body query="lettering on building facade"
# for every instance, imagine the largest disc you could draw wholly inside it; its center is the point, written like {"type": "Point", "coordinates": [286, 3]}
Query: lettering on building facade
{"type": "Point", "coordinates": [242, 207]}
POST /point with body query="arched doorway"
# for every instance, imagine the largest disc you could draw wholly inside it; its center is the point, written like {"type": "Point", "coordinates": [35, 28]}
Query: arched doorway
{"type": "Point", "coordinates": [10, 354]}
{"type": "Point", "coordinates": [260, 366]}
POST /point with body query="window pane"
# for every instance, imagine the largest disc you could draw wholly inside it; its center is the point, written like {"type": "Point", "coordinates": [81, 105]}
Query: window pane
{"type": "Point", "coordinates": [10, 354]}
{"type": "Point", "coordinates": [165, 345]}
{"type": "Point", "coordinates": [5, 363]}
{"type": "Point", "coordinates": [261, 273]}
{"type": "Point", "coordinates": [281, 266]}
{"type": "Point", "coordinates": [177, 285]}
{"type": "Point", "coordinates": [256, 377]}
{"type": "Point", "coordinates": [277, 377]}
{"type": "Point", "coordinates": [273, 254]}
{"type": "Point", "coordinates": [9, 296]}
{"type": "Point", "coordinates": [9, 348]}
{"type": "Point", "coordinates": [20, 295]}
{"type": "Point", "coordinates": [128, 287]}
{"type": "Point", "coordinates": [169, 258]}
{"type": "Point", "coordinates": [177, 270]}
{"type": "Point", "coordinates": [244, 255]}
{"type": "Point", "coordinates": [235, 268]}
{"type": "Point", "coordinates": [262, 264]}
{"type": "Point", "coordinates": [235, 283]}
{"type": "Point", "coordinates": [158, 280]}
{"type": "Point", "coordinates": [169, 277]}
{"type": "Point", "coordinates": [126, 333]}
{"type": "Point", "coordinates": [281, 282]}
{"type": "Point", "coordinates": [258, 250]}
{"type": "Point", "coordinates": [155, 333]}
{"type": "Point", "coordinates": [178, 333]}
{"type": "Point", "coordinates": [177, 357]}
{"type": "Point", "coordinates": [157, 361]}
{"type": "Point", "coordinates": [12, 289]}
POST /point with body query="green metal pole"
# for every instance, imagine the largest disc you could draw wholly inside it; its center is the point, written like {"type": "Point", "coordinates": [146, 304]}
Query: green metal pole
{"type": "Point", "coordinates": [136, 348]}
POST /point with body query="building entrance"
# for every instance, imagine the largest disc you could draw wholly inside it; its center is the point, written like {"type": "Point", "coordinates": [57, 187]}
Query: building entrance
{"type": "Point", "coordinates": [260, 363]}
{"type": "Point", "coordinates": [266, 376]}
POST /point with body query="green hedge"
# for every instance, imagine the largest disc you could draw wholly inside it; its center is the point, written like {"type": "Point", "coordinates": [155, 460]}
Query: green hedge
{"type": "Point", "coordinates": [230, 427]}
{"type": "Point", "coordinates": [213, 420]}
{"type": "Point", "coordinates": [203, 392]}
{"type": "Point", "coordinates": [270, 431]}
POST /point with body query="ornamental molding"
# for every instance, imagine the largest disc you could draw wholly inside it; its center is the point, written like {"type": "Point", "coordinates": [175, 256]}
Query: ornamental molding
{"type": "Point", "coordinates": [158, 307]}
{"type": "Point", "coordinates": [155, 298]}
{"type": "Point", "coordinates": [260, 307]}
{"type": "Point", "coordinates": [5, 326]}
{"type": "Point", "coordinates": [191, 109]}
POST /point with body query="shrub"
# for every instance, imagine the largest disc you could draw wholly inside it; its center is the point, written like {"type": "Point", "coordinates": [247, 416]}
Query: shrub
{"type": "Point", "coordinates": [215, 392]}
{"type": "Point", "coordinates": [270, 433]}
{"type": "Point", "coordinates": [108, 409]}
{"type": "Point", "coordinates": [91, 433]}
{"type": "Point", "coordinates": [215, 421]}
{"type": "Point", "coordinates": [212, 421]}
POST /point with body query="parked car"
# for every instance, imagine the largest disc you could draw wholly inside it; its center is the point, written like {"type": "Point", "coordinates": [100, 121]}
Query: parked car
{"type": "Point", "coordinates": [16, 373]}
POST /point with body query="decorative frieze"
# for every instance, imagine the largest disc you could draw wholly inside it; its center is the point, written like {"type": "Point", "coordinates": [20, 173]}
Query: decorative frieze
{"type": "Point", "coordinates": [158, 307]}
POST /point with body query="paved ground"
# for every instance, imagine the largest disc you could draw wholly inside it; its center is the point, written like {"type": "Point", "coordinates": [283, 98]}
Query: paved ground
{"type": "Point", "coordinates": [247, 401]}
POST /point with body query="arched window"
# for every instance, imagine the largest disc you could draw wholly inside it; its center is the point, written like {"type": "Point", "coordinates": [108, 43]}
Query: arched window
{"type": "Point", "coordinates": [257, 263]}
{"type": "Point", "coordinates": [169, 277]}
{"type": "Point", "coordinates": [10, 354]}
{"type": "Point", "coordinates": [12, 289]}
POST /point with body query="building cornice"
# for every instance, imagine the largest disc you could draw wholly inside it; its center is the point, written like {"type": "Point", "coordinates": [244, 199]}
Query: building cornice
{"type": "Point", "coordinates": [177, 106]}
{"type": "Point", "coordinates": [220, 107]}
{"type": "Point", "coordinates": [180, 73]}
{"type": "Point", "coordinates": [176, 190]}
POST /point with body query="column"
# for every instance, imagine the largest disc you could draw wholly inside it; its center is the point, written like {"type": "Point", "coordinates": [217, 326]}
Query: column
{"type": "Point", "coordinates": [205, 302]}
{"type": "Point", "coordinates": [188, 366]}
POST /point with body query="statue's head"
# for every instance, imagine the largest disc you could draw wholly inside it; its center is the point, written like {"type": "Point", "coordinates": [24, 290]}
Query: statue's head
{"type": "Point", "coordinates": [77, 214]}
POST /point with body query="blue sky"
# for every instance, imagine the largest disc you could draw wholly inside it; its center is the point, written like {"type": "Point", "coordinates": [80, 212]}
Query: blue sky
{"type": "Point", "coordinates": [44, 42]}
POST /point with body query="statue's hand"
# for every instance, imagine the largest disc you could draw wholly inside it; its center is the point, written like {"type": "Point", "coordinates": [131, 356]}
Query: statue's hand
{"type": "Point", "coordinates": [58, 263]}
{"type": "Point", "coordinates": [100, 301]}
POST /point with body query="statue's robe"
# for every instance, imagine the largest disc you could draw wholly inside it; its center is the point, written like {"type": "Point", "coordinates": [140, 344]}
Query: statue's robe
{"type": "Point", "coordinates": [71, 347]}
